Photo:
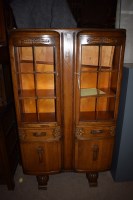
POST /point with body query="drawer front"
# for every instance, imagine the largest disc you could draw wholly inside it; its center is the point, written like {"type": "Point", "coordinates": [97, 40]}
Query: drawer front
{"type": "Point", "coordinates": [45, 134]}
{"type": "Point", "coordinates": [84, 133]}
{"type": "Point", "coordinates": [93, 154]}
{"type": "Point", "coordinates": [38, 157]}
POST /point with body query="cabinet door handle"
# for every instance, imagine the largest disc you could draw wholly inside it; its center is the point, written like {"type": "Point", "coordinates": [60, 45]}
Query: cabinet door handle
{"type": "Point", "coordinates": [39, 134]}
{"type": "Point", "coordinates": [96, 131]}
{"type": "Point", "coordinates": [40, 154]}
{"type": "Point", "coordinates": [95, 152]}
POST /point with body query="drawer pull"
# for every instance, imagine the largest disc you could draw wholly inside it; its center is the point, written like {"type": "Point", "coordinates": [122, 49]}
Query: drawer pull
{"type": "Point", "coordinates": [96, 131]}
{"type": "Point", "coordinates": [39, 134]}
{"type": "Point", "coordinates": [40, 154]}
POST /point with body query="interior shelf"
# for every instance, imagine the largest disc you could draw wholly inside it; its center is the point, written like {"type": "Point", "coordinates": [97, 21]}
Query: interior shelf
{"type": "Point", "coordinates": [37, 62]}
{"type": "Point", "coordinates": [41, 117]}
{"type": "Point", "coordinates": [47, 93]}
{"type": "Point", "coordinates": [94, 115]}
{"type": "Point", "coordinates": [87, 92]}
{"type": "Point", "coordinates": [91, 92]}
{"type": "Point", "coordinates": [90, 68]}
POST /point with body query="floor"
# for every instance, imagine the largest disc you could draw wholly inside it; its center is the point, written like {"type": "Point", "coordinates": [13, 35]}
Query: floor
{"type": "Point", "coordinates": [67, 186]}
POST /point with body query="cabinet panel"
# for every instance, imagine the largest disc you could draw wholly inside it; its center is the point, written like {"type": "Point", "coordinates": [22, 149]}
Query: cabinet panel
{"type": "Point", "coordinates": [41, 157]}
{"type": "Point", "coordinates": [93, 154]}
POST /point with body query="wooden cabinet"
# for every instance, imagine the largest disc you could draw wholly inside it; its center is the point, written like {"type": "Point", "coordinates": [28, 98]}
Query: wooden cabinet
{"type": "Point", "coordinates": [67, 87]}
{"type": "Point", "coordinates": [2, 25]}
{"type": "Point", "coordinates": [97, 90]}
{"type": "Point", "coordinates": [8, 127]}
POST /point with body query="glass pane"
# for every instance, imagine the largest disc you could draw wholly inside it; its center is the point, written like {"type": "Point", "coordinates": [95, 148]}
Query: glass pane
{"type": "Point", "coordinates": [101, 108]}
{"type": "Point", "coordinates": [107, 82]}
{"type": "Point", "coordinates": [45, 85]}
{"type": "Point", "coordinates": [27, 81]}
{"type": "Point", "coordinates": [25, 54]}
{"type": "Point", "coordinates": [26, 67]}
{"type": "Point", "coordinates": [87, 104]}
{"type": "Point", "coordinates": [46, 109]}
{"type": "Point", "coordinates": [106, 55]}
{"type": "Point", "coordinates": [87, 108]}
{"type": "Point", "coordinates": [105, 108]}
{"type": "Point", "coordinates": [89, 55]}
{"type": "Point", "coordinates": [88, 80]}
{"type": "Point", "coordinates": [28, 110]}
{"type": "Point", "coordinates": [26, 85]}
{"type": "Point", "coordinates": [44, 68]}
{"type": "Point", "coordinates": [44, 54]}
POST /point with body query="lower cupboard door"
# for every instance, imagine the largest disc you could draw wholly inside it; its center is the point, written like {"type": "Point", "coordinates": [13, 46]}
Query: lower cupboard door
{"type": "Point", "coordinates": [40, 157]}
{"type": "Point", "coordinates": [93, 155]}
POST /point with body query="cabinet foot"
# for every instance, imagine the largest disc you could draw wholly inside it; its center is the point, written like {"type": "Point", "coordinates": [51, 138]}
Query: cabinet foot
{"type": "Point", "coordinates": [42, 181]}
{"type": "Point", "coordinates": [92, 178]}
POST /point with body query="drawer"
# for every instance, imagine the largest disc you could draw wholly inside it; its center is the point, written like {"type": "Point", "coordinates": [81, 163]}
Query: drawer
{"type": "Point", "coordinates": [94, 132]}
{"type": "Point", "coordinates": [45, 134]}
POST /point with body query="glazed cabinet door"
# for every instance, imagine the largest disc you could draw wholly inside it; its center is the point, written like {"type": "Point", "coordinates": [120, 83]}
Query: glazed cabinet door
{"type": "Point", "coordinates": [36, 77]}
{"type": "Point", "coordinates": [35, 58]}
{"type": "Point", "coordinates": [97, 90]}
{"type": "Point", "coordinates": [98, 76]}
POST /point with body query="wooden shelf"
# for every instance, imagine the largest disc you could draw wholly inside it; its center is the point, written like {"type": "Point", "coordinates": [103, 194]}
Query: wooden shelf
{"type": "Point", "coordinates": [37, 94]}
{"type": "Point", "coordinates": [101, 115]}
{"type": "Point", "coordinates": [90, 69]}
{"type": "Point", "coordinates": [89, 92]}
{"type": "Point", "coordinates": [41, 117]}
{"type": "Point", "coordinates": [37, 62]}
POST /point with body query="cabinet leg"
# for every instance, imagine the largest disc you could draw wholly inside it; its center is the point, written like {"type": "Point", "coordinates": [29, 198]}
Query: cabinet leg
{"type": "Point", "coordinates": [92, 178]}
{"type": "Point", "coordinates": [42, 181]}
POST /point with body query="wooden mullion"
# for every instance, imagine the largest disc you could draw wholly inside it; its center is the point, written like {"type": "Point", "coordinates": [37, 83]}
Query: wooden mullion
{"type": "Point", "coordinates": [55, 84]}
{"type": "Point", "coordinates": [19, 80]}
{"type": "Point", "coordinates": [97, 83]}
{"type": "Point", "coordinates": [35, 82]}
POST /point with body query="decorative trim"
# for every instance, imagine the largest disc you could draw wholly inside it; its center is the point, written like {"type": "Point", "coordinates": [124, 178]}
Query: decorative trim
{"type": "Point", "coordinates": [112, 131]}
{"type": "Point", "coordinates": [99, 40]}
{"type": "Point", "coordinates": [34, 41]}
{"type": "Point", "coordinates": [79, 132]}
{"type": "Point", "coordinates": [57, 132]}
{"type": "Point", "coordinates": [22, 136]}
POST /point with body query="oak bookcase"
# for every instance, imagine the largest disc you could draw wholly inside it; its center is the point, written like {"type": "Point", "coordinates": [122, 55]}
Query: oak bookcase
{"type": "Point", "coordinates": [67, 88]}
